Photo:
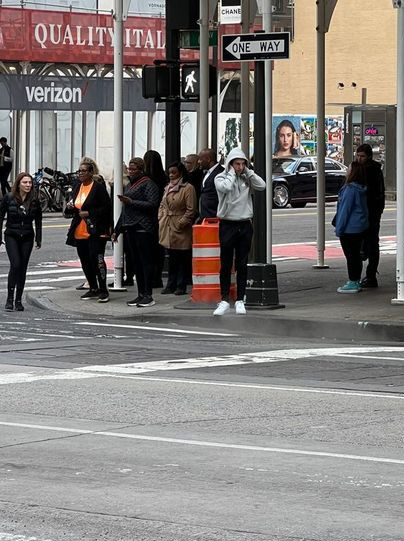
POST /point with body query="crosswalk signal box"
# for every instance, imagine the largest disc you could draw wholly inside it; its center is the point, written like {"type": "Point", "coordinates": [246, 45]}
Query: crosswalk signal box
{"type": "Point", "coordinates": [190, 81]}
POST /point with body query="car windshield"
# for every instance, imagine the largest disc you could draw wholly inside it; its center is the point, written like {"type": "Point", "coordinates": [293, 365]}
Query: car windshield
{"type": "Point", "coordinates": [282, 165]}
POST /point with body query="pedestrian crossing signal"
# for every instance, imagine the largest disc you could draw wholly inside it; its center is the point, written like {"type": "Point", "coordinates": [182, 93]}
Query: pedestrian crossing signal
{"type": "Point", "coordinates": [190, 81]}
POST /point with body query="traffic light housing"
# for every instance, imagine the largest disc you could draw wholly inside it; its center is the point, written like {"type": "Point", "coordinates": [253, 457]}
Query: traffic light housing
{"type": "Point", "coordinates": [183, 15]}
{"type": "Point", "coordinates": [190, 81]}
{"type": "Point", "coordinates": [161, 81]}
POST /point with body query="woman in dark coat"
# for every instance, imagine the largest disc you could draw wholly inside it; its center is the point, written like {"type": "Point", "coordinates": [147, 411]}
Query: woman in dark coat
{"type": "Point", "coordinates": [22, 209]}
{"type": "Point", "coordinates": [90, 229]}
{"type": "Point", "coordinates": [154, 170]}
{"type": "Point", "coordinates": [176, 215]}
{"type": "Point", "coordinates": [138, 222]}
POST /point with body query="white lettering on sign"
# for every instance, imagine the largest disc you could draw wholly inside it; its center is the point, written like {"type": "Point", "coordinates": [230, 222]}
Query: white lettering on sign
{"type": "Point", "coordinates": [238, 48]}
{"type": "Point", "coordinates": [50, 34]}
{"type": "Point", "coordinates": [230, 14]}
{"type": "Point", "coordinates": [54, 94]}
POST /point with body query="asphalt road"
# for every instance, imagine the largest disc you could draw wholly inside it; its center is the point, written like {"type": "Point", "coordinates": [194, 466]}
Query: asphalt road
{"type": "Point", "coordinates": [120, 431]}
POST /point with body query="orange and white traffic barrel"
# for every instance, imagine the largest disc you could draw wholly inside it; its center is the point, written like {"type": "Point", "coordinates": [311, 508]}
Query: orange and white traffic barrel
{"type": "Point", "coordinates": [206, 263]}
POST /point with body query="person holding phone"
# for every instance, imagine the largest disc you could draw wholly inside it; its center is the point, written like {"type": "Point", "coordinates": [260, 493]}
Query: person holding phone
{"type": "Point", "coordinates": [138, 222]}
{"type": "Point", "coordinates": [22, 208]}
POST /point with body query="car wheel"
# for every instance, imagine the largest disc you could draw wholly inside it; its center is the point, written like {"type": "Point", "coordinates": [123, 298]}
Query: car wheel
{"type": "Point", "coordinates": [281, 196]}
{"type": "Point", "coordinates": [298, 204]}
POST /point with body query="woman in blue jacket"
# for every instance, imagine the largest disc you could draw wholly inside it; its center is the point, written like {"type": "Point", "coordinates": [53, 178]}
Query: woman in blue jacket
{"type": "Point", "coordinates": [351, 223]}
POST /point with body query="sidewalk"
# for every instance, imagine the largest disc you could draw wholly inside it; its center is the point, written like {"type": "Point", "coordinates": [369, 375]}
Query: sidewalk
{"type": "Point", "coordinates": [313, 308]}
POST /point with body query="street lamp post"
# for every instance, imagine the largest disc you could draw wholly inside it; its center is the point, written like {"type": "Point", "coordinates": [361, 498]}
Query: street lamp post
{"type": "Point", "coordinates": [400, 157]}
{"type": "Point", "coordinates": [118, 136]}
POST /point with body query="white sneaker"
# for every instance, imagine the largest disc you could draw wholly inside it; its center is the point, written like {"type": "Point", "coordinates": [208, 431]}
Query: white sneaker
{"type": "Point", "coordinates": [222, 308]}
{"type": "Point", "coordinates": [240, 308]}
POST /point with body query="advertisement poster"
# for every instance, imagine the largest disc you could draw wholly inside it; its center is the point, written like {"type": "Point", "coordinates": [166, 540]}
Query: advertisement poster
{"type": "Point", "coordinates": [292, 135]}
{"type": "Point", "coordinates": [286, 136]}
{"type": "Point", "coordinates": [308, 135]}
{"type": "Point", "coordinates": [334, 128]}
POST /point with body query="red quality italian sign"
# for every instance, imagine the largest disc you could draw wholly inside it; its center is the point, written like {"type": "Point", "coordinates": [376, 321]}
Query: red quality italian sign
{"type": "Point", "coordinates": [82, 38]}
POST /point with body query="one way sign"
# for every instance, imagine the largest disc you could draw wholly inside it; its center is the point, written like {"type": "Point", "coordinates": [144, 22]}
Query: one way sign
{"type": "Point", "coordinates": [247, 47]}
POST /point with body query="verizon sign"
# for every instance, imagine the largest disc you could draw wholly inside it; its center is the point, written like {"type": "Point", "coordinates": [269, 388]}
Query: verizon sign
{"type": "Point", "coordinates": [31, 92]}
{"type": "Point", "coordinates": [53, 94]}
{"type": "Point", "coordinates": [83, 38]}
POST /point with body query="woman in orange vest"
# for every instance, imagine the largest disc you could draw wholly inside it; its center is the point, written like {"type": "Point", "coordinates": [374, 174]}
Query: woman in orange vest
{"type": "Point", "coordinates": [90, 229]}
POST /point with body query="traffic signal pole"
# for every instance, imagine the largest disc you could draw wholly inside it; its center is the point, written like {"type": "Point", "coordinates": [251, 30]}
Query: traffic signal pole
{"type": "Point", "coordinates": [325, 9]}
{"type": "Point", "coordinates": [203, 139]}
{"type": "Point", "coordinates": [400, 158]}
{"type": "Point", "coordinates": [245, 83]}
{"type": "Point", "coordinates": [118, 137]}
{"type": "Point", "coordinates": [267, 23]}
{"type": "Point", "coordinates": [173, 108]}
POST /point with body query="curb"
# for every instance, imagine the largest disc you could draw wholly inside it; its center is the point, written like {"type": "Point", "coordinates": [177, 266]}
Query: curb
{"type": "Point", "coordinates": [259, 323]}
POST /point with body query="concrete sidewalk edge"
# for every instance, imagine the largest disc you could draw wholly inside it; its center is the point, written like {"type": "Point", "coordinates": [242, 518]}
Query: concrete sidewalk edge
{"type": "Point", "coordinates": [257, 322]}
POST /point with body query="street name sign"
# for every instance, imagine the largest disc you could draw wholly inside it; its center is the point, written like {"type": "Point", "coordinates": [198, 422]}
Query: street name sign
{"type": "Point", "coordinates": [247, 47]}
{"type": "Point", "coordinates": [189, 39]}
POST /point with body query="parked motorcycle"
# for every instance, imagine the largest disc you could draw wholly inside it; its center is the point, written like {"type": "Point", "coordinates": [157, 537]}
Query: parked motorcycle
{"type": "Point", "coordinates": [54, 188]}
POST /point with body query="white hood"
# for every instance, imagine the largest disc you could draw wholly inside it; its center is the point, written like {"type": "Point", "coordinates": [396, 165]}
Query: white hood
{"type": "Point", "coordinates": [234, 154]}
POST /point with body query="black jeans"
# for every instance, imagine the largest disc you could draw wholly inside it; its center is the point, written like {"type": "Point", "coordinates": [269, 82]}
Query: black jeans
{"type": "Point", "coordinates": [140, 244]}
{"type": "Point", "coordinates": [235, 243]}
{"type": "Point", "coordinates": [371, 248]}
{"type": "Point", "coordinates": [129, 264]}
{"type": "Point", "coordinates": [91, 253]}
{"type": "Point", "coordinates": [18, 250]}
{"type": "Point", "coordinates": [5, 186]}
{"type": "Point", "coordinates": [178, 267]}
{"type": "Point", "coordinates": [351, 245]}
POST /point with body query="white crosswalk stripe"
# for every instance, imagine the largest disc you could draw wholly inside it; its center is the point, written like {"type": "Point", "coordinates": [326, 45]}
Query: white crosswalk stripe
{"type": "Point", "coordinates": [48, 277]}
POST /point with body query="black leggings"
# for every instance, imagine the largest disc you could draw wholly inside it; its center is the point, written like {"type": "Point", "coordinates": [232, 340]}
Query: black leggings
{"type": "Point", "coordinates": [91, 253]}
{"type": "Point", "coordinates": [140, 245]}
{"type": "Point", "coordinates": [351, 245]}
{"type": "Point", "coordinates": [235, 243]}
{"type": "Point", "coordinates": [5, 186]}
{"type": "Point", "coordinates": [179, 262]}
{"type": "Point", "coordinates": [18, 250]}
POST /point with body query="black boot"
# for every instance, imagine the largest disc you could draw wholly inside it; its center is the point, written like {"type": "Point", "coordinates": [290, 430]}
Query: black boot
{"type": "Point", "coordinates": [18, 304]}
{"type": "Point", "coordinates": [10, 299]}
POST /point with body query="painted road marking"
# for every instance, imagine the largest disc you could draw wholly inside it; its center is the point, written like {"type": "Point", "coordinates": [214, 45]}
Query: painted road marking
{"type": "Point", "coordinates": [161, 329]}
{"type": "Point", "coordinates": [15, 537]}
{"type": "Point", "coordinates": [192, 363]}
{"type": "Point", "coordinates": [199, 443]}
{"type": "Point", "coordinates": [274, 356]}
{"type": "Point", "coordinates": [264, 387]}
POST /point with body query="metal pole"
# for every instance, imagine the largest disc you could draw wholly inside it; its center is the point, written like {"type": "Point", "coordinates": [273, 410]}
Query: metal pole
{"type": "Point", "coordinates": [400, 158]}
{"type": "Point", "coordinates": [320, 135]}
{"type": "Point", "coordinates": [118, 136]}
{"type": "Point", "coordinates": [267, 23]}
{"type": "Point", "coordinates": [245, 83]}
{"type": "Point", "coordinates": [203, 138]}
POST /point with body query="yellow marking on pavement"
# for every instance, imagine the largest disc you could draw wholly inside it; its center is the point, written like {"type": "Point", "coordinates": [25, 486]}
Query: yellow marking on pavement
{"type": "Point", "coordinates": [59, 226]}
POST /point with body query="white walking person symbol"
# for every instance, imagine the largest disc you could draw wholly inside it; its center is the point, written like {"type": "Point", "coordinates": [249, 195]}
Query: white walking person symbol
{"type": "Point", "coordinates": [190, 80]}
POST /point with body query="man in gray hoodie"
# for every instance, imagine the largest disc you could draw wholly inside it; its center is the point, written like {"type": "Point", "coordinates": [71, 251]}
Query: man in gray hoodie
{"type": "Point", "coordinates": [235, 210]}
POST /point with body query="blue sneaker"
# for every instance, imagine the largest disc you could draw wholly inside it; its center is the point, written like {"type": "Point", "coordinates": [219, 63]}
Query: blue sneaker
{"type": "Point", "coordinates": [350, 287]}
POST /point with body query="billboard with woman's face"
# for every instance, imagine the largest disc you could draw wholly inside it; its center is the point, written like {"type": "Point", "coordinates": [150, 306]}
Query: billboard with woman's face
{"type": "Point", "coordinates": [286, 136]}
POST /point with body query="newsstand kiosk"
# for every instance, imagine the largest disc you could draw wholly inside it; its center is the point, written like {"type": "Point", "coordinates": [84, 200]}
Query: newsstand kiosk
{"type": "Point", "coordinates": [375, 125]}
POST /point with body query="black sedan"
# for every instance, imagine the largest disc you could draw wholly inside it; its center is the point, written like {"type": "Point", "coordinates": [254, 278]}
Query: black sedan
{"type": "Point", "coordinates": [294, 180]}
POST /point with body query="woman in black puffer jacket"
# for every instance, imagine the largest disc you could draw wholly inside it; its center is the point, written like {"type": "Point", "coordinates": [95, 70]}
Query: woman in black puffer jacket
{"type": "Point", "coordinates": [22, 209]}
{"type": "Point", "coordinates": [90, 228]}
